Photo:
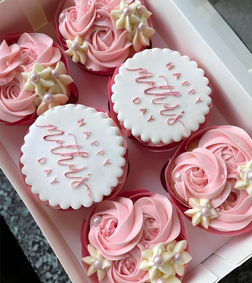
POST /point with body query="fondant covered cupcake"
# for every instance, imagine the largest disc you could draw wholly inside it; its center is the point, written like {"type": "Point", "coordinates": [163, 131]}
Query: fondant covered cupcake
{"type": "Point", "coordinates": [101, 34]}
{"type": "Point", "coordinates": [140, 237]}
{"type": "Point", "coordinates": [34, 77]}
{"type": "Point", "coordinates": [159, 98]}
{"type": "Point", "coordinates": [210, 176]}
{"type": "Point", "coordinates": [73, 156]}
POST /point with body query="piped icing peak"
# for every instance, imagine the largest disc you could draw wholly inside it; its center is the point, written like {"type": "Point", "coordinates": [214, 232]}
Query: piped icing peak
{"type": "Point", "coordinates": [116, 230]}
{"type": "Point", "coordinates": [173, 112]}
{"type": "Point", "coordinates": [78, 176]}
{"type": "Point", "coordinates": [214, 178]}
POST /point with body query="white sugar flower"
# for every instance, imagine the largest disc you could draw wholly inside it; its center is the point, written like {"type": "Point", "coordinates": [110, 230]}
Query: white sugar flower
{"type": "Point", "coordinates": [97, 263]}
{"type": "Point", "coordinates": [179, 257]}
{"type": "Point", "coordinates": [201, 212]}
{"type": "Point", "coordinates": [77, 50]}
{"type": "Point", "coordinates": [245, 181]}
{"type": "Point", "coordinates": [38, 79]}
{"type": "Point", "coordinates": [156, 261]}
{"type": "Point", "coordinates": [125, 16]}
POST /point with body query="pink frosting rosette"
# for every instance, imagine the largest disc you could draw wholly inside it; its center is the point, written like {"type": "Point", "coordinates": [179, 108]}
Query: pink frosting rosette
{"type": "Point", "coordinates": [16, 102]}
{"type": "Point", "coordinates": [10, 58]}
{"type": "Point", "coordinates": [115, 245]}
{"type": "Point", "coordinates": [119, 230]}
{"type": "Point", "coordinates": [209, 178]}
{"type": "Point", "coordinates": [127, 269]}
{"type": "Point", "coordinates": [18, 55]}
{"type": "Point", "coordinates": [201, 174]}
{"type": "Point", "coordinates": [235, 213]}
{"type": "Point", "coordinates": [161, 223]}
{"type": "Point", "coordinates": [231, 143]}
{"type": "Point", "coordinates": [38, 48]}
{"type": "Point", "coordinates": [90, 34]}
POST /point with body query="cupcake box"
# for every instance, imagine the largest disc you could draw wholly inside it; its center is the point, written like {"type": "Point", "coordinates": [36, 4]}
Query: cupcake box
{"type": "Point", "coordinates": [203, 42]}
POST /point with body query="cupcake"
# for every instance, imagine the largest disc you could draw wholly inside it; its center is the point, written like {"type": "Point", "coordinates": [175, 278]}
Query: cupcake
{"type": "Point", "coordinates": [34, 77]}
{"type": "Point", "coordinates": [100, 35]}
{"type": "Point", "coordinates": [210, 178]}
{"type": "Point", "coordinates": [159, 98]}
{"type": "Point", "coordinates": [139, 237]}
{"type": "Point", "coordinates": [73, 156]}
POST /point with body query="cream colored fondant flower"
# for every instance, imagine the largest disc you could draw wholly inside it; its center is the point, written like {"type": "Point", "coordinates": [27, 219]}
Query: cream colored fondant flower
{"type": "Point", "coordinates": [77, 50]}
{"type": "Point", "coordinates": [201, 212]}
{"type": "Point", "coordinates": [97, 263]}
{"type": "Point", "coordinates": [141, 10]}
{"type": "Point", "coordinates": [48, 101]}
{"type": "Point", "coordinates": [38, 79]}
{"type": "Point", "coordinates": [245, 181]}
{"type": "Point", "coordinates": [179, 257]}
{"type": "Point", "coordinates": [141, 35]}
{"type": "Point", "coordinates": [157, 262]}
{"type": "Point", "coordinates": [125, 16]}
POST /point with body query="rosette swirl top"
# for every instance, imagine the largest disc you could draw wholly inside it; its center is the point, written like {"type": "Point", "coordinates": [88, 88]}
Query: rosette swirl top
{"type": "Point", "coordinates": [24, 89]}
{"type": "Point", "coordinates": [124, 241]}
{"type": "Point", "coordinates": [101, 34]}
{"type": "Point", "coordinates": [211, 174]}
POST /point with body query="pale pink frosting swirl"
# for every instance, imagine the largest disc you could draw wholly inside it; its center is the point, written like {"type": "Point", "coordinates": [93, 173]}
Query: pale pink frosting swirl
{"type": "Point", "coordinates": [235, 213]}
{"type": "Point", "coordinates": [231, 143]}
{"type": "Point", "coordinates": [79, 17]}
{"type": "Point", "coordinates": [10, 59]}
{"type": "Point", "coordinates": [108, 46]}
{"type": "Point", "coordinates": [161, 223]}
{"type": "Point", "coordinates": [38, 48]}
{"type": "Point", "coordinates": [203, 176]}
{"type": "Point", "coordinates": [126, 269]}
{"type": "Point", "coordinates": [15, 101]}
{"type": "Point", "coordinates": [120, 228]}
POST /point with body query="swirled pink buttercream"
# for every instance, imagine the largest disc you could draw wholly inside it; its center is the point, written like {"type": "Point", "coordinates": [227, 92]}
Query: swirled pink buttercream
{"type": "Point", "coordinates": [108, 46]}
{"type": "Point", "coordinates": [119, 230]}
{"type": "Point", "coordinates": [231, 143]}
{"type": "Point", "coordinates": [201, 174]}
{"type": "Point", "coordinates": [127, 269]}
{"type": "Point", "coordinates": [235, 213]}
{"type": "Point", "coordinates": [15, 101]}
{"type": "Point", "coordinates": [77, 18]}
{"type": "Point", "coordinates": [161, 223]}
{"type": "Point", "coordinates": [38, 48]}
{"type": "Point", "coordinates": [10, 59]}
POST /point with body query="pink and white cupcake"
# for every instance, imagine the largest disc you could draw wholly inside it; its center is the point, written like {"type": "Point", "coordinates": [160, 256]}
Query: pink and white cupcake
{"type": "Point", "coordinates": [210, 178]}
{"type": "Point", "coordinates": [138, 237]}
{"type": "Point", "coordinates": [73, 156]}
{"type": "Point", "coordinates": [34, 77]}
{"type": "Point", "coordinates": [100, 35]}
{"type": "Point", "coordinates": [159, 98]}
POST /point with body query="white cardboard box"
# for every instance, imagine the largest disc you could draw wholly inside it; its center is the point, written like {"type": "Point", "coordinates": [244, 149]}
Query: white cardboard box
{"type": "Point", "coordinates": [195, 29]}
